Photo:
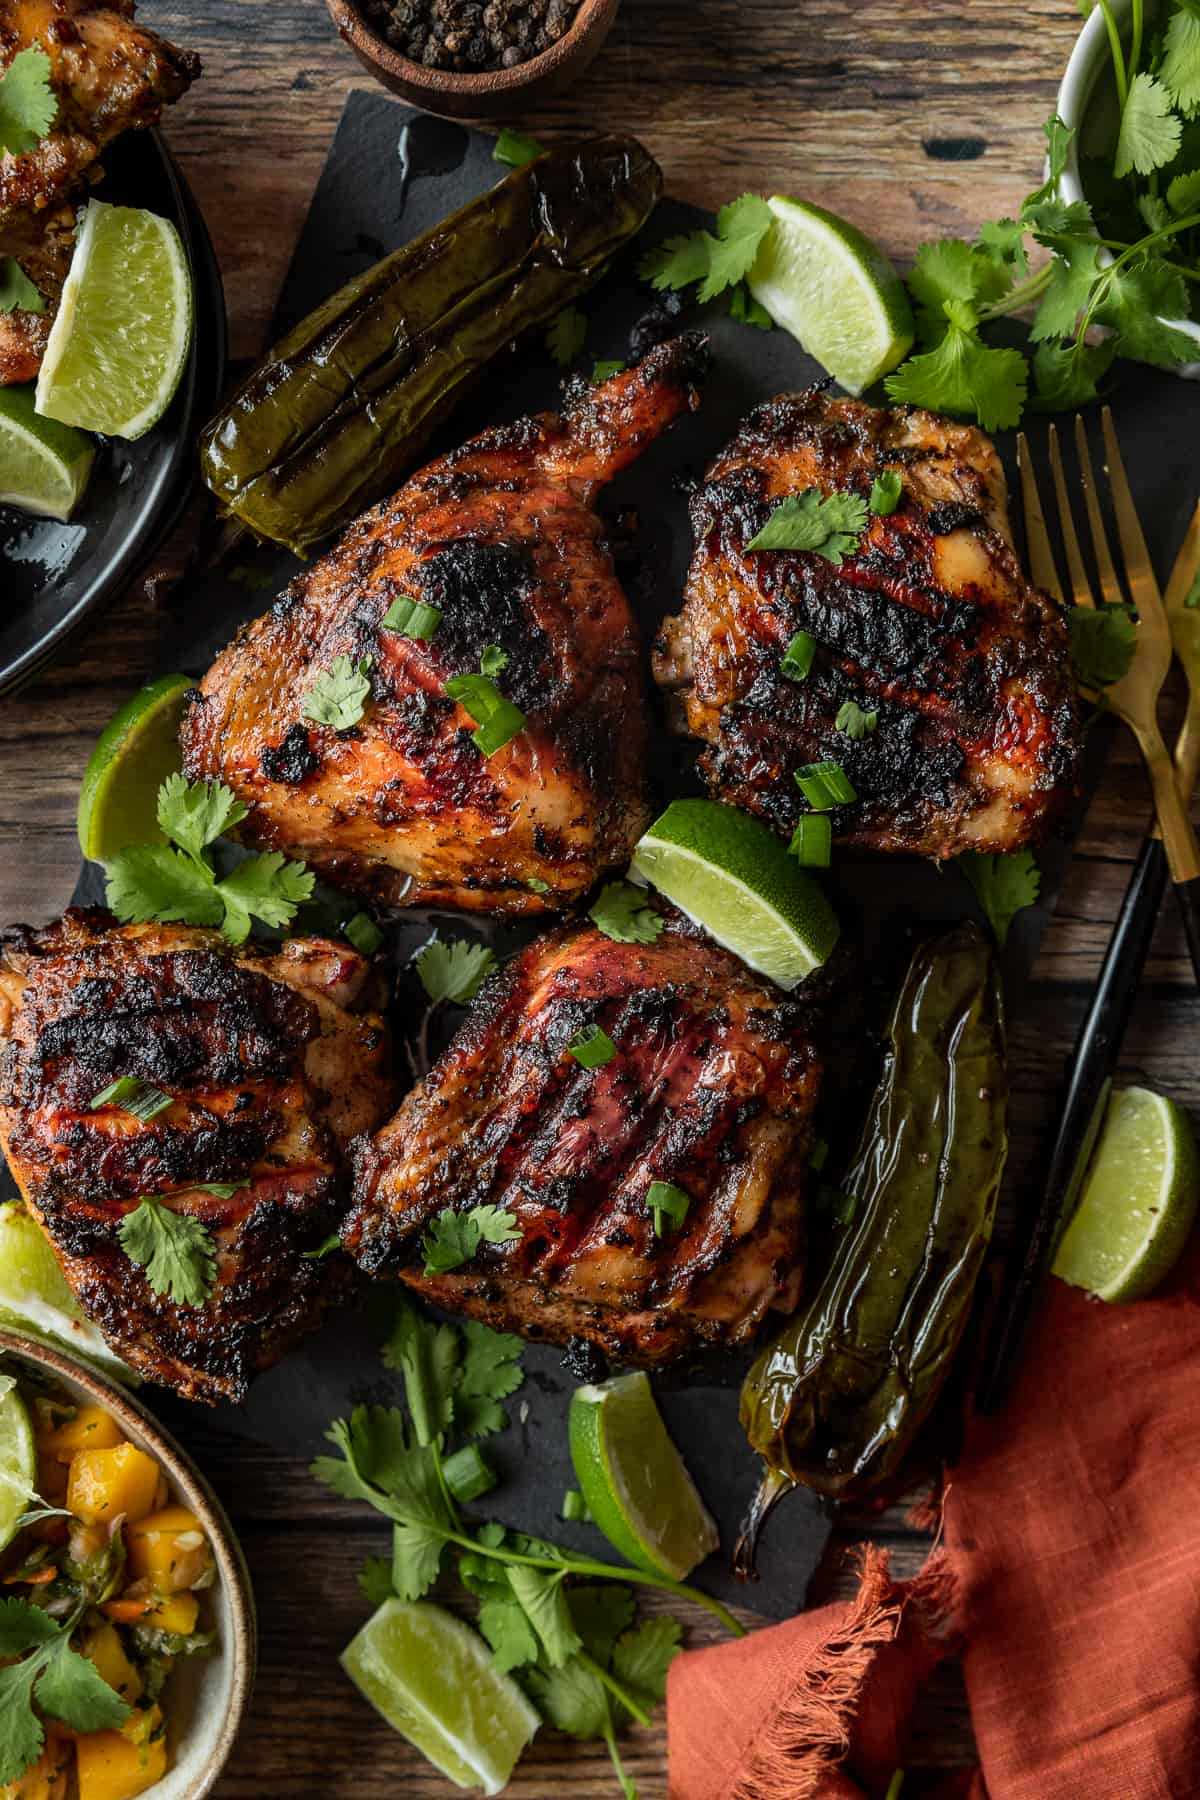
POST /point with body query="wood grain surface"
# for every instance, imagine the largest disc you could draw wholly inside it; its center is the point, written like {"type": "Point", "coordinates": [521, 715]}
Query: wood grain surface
{"type": "Point", "coordinates": [914, 119]}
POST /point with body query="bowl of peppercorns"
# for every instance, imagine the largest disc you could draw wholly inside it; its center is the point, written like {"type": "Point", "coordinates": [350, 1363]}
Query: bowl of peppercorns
{"type": "Point", "coordinates": [473, 59]}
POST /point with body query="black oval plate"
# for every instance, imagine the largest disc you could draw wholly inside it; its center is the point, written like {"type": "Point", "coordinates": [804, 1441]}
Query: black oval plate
{"type": "Point", "coordinates": [53, 576]}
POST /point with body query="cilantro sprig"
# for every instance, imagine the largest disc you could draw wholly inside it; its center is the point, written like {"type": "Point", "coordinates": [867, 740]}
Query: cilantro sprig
{"type": "Point", "coordinates": [175, 882]}
{"type": "Point", "coordinates": [828, 524]}
{"type": "Point", "coordinates": [621, 911]}
{"type": "Point", "coordinates": [716, 265]}
{"type": "Point", "coordinates": [1004, 886]}
{"type": "Point", "coordinates": [453, 1238]}
{"type": "Point", "coordinates": [17, 292]}
{"type": "Point", "coordinates": [63, 1684]}
{"type": "Point", "coordinates": [339, 694]}
{"type": "Point", "coordinates": [28, 107]}
{"type": "Point", "coordinates": [565, 1622]}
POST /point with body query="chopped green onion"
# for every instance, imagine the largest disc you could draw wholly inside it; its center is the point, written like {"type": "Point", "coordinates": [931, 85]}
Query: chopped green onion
{"type": "Point", "coordinates": [886, 490]}
{"type": "Point", "coordinates": [536, 885]}
{"type": "Point", "coordinates": [574, 1507]}
{"type": "Point", "coordinates": [820, 1153]}
{"type": "Point", "coordinates": [325, 1248]}
{"type": "Point", "coordinates": [825, 784]}
{"type": "Point", "coordinates": [592, 1048]}
{"type": "Point", "coordinates": [516, 148]}
{"type": "Point", "coordinates": [666, 1201]}
{"type": "Point", "coordinates": [363, 933]}
{"type": "Point", "coordinates": [138, 1098]}
{"type": "Point", "coordinates": [798, 657]}
{"type": "Point", "coordinates": [468, 1474]}
{"type": "Point", "coordinates": [497, 720]}
{"type": "Point", "coordinates": [412, 619]}
{"type": "Point", "coordinates": [812, 841]}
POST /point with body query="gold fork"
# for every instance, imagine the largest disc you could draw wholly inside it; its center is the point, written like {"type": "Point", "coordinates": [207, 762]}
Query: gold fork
{"type": "Point", "coordinates": [1134, 698]}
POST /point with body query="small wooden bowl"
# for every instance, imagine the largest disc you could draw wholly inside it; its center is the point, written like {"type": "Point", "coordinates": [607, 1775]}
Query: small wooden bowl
{"type": "Point", "coordinates": [493, 92]}
{"type": "Point", "coordinates": [207, 1697]}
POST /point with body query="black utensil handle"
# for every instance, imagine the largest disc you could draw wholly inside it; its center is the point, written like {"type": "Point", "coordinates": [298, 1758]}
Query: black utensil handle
{"type": "Point", "coordinates": [1189, 905]}
{"type": "Point", "coordinates": [1096, 1051]}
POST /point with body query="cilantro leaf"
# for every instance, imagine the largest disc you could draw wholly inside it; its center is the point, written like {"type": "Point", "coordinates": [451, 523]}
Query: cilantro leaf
{"type": "Point", "coordinates": [667, 1204]}
{"type": "Point", "coordinates": [417, 1552]}
{"type": "Point", "coordinates": [952, 270]}
{"type": "Point", "coordinates": [1055, 222]}
{"type": "Point", "coordinates": [28, 107]}
{"type": "Point", "coordinates": [677, 262]}
{"type": "Point", "coordinates": [73, 1690]}
{"type": "Point", "coordinates": [427, 1356]}
{"type": "Point", "coordinates": [566, 336]}
{"type": "Point", "coordinates": [1140, 296]}
{"type": "Point", "coordinates": [176, 1250]}
{"type": "Point", "coordinates": [194, 814]}
{"type": "Point", "coordinates": [1180, 67]}
{"type": "Point", "coordinates": [1066, 375]}
{"type": "Point", "coordinates": [741, 227]}
{"type": "Point", "coordinates": [642, 1657]}
{"type": "Point", "coordinates": [1003, 241]}
{"type": "Point", "coordinates": [17, 292]}
{"type": "Point", "coordinates": [491, 1371]}
{"type": "Point", "coordinates": [493, 660]}
{"type": "Point", "coordinates": [1103, 641]}
{"type": "Point", "coordinates": [452, 1238]}
{"type": "Point", "coordinates": [22, 1626]}
{"type": "Point", "coordinates": [600, 1612]}
{"type": "Point", "coordinates": [964, 375]}
{"type": "Point", "coordinates": [516, 148]}
{"type": "Point", "coordinates": [1073, 274]}
{"type": "Point", "coordinates": [572, 1699]}
{"type": "Point", "coordinates": [1004, 886]}
{"type": "Point", "coordinates": [380, 1465]}
{"type": "Point", "coordinates": [266, 887]}
{"type": "Point", "coordinates": [1058, 143]}
{"type": "Point", "coordinates": [1150, 131]}
{"type": "Point", "coordinates": [604, 370]}
{"type": "Point", "coordinates": [854, 720]}
{"type": "Point", "coordinates": [339, 693]}
{"type": "Point", "coordinates": [1183, 194]}
{"type": "Point", "coordinates": [375, 1580]}
{"type": "Point", "coordinates": [505, 1624]}
{"type": "Point", "coordinates": [621, 912]}
{"type": "Point", "coordinates": [153, 881]}
{"type": "Point", "coordinates": [828, 525]}
{"type": "Point", "coordinates": [21, 1734]}
{"type": "Point", "coordinates": [454, 969]}
{"type": "Point", "coordinates": [540, 1592]}
{"type": "Point", "coordinates": [886, 490]}
{"type": "Point", "coordinates": [66, 1684]}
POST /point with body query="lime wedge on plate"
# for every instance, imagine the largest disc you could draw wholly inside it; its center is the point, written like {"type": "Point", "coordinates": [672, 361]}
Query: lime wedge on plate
{"type": "Point", "coordinates": [18, 1463]}
{"type": "Point", "coordinates": [44, 466]}
{"type": "Point", "coordinates": [734, 877]}
{"type": "Point", "coordinates": [35, 1299]}
{"type": "Point", "coordinates": [119, 343]}
{"type": "Point", "coordinates": [634, 1480]}
{"type": "Point", "coordinates": [1138, 1199]}
{"type": "Point", "coordinates": [431, 1677]}
{"type": "Point", "coordinates": [821, 279]}
{"type": "Point", "coordinates": [134, 754]}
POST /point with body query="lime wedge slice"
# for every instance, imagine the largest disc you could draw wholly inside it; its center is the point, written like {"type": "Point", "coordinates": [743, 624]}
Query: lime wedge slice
{"type": "Point", "coordinates": [35, 1299]}
{"type": "Point", "coordinates": [44, 466]}
{"type": "Point", "coordinates": [120, 340]}
{"type": "Point", "coordinates": [1138, 1199]}
{"type": "Point", "coordinates": [634, 1480]}
{"type": "Point", "coordinates": [134, 754]}
{"type": "Point", "coordinates": [431, 1676]}
{"type": "Point", "coordinates": [18, 1463]}
{"type": "Point", "coordinates": [734, 877]}
{"type": "Point", "coordinates": [824, 281]}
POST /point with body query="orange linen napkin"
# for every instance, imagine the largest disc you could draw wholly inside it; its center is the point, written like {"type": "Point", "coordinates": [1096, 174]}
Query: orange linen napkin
{"type": "Point", "coordinates": [1073, 1548]}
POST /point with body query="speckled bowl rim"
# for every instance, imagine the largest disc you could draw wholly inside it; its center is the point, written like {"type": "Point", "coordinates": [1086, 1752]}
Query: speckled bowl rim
{"type": "Point", "coordinates": [488, 82]}
{"type": "Point", "coordinates": [194, 1488]}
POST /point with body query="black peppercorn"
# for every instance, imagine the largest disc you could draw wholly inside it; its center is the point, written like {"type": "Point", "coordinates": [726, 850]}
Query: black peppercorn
{"type": "Point", "coordinates": [472, 35]}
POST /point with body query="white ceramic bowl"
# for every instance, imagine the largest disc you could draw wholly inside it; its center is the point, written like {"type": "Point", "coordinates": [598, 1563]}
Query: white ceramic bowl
{"type": "Point", "coordinates": [1088, 61]}
{"type": "Point", "coordinates": [206, 1697]}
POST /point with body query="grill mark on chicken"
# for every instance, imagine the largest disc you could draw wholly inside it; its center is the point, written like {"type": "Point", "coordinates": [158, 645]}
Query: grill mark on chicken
{"type": "Point", "coordinates": [501, 536]}
{"type": "Point", "coordinates": [272, 1059]}
{"type": "Point", "coordinates": [712, 1088]}
{"type": "Point", "coordinates": [930, 623]}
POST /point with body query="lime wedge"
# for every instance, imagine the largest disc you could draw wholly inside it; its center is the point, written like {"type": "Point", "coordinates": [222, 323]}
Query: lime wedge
{"type": "Point", "coordinates": [18, 1463]}
{"type": "Point", "coordinates": [821, 279]}
{"type": "Point", "coordinates": [431, 1676]}
{"type": "Point", "coordinates": [134, 754]}
{"type": "Point", "coordinates": [35, 1299]}
{"type": "Point", "coordinates": [120, 340]}
{"type": "Point", "coordinates": [1138, 1199]}
{"type": "Point", "coordinates": [734, 877]}
{"type": "Point", "coordinates": [44, 466]}
{"type": "Point", "coordinates": [634, 1480]}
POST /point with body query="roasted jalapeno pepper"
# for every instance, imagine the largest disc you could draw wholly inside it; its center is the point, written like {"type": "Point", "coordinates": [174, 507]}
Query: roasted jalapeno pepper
{"type": "Point", "coordinates": [335, 413]}
{"type": "Point", "coordinates": [835, 1401]}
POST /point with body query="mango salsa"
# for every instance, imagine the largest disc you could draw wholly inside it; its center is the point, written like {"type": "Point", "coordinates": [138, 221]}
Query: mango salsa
{"type": "Point", "coordinates": [91, 1429]}
{"type": "Point", "coordinates": [117, 1765]}
{"type": "Point", "coordinates": [168, 1549]}
{"type": "Point", "coordinates": [106, 1483]}
{"type": "Point", "coordinates": [103, 1648]}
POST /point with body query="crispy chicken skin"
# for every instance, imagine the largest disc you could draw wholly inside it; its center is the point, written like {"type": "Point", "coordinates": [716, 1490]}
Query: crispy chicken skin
{"type": "Point", "coordinates": [108, 75]}
{"type": "Point", "coordinates": [500, 536]}
{"type": "Point", "coordinates": [273, 1060]}
{"type": "Point", "coordinates": [712, 1089]}
{"type": "Point", "coordinates": [931, 624]}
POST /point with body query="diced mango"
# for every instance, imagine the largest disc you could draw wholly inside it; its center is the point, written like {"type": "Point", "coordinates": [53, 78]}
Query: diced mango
{"type": "Point", "coordinates": [169, 1549]}
{"type": "Point", "coordinates": [106, 1483]}
{"type": "Point", "coordinates": [116, 1765]}
{"type": "Point", "coordinates": [91, 1429]}
{"type": "Point", "coordinates": [177, 1613]}
{"type": "Point", "coordinates": [103, 1648]}
{"type": "Point", "coordinates": [46, 1779]}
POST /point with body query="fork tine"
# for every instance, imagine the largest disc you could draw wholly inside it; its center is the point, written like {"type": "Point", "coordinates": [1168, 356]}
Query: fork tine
{"type": "Point", "coordinates": [1110, 587]}
{"type": "Point", "coordinates": [1139, 570]}
{"type": "Point", "coordinates": [1041, 557]}
{"type": "Point", "coordinates": [1080, 586]}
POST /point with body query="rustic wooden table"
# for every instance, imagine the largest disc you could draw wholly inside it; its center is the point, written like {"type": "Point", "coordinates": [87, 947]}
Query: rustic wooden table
{"type": "Point", "coordinates": [915, 120]}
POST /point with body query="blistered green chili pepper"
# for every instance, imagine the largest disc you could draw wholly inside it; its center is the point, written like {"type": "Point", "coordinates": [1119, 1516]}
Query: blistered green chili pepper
{"type": "Point", "coordinates": [335, 413]}
{"type": "Point", "coordinates": [835, 1401]}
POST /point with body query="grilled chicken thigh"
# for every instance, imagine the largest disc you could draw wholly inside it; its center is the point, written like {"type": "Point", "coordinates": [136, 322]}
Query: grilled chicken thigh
{"type": "Point", "coordinates": [930, 625]}
{"type": "Point", "coordinates": [501, 539]}
{"type": "Point", "coordinates": [710, 1090]}
{"type": "Point", "coordinates": [272, 1059]}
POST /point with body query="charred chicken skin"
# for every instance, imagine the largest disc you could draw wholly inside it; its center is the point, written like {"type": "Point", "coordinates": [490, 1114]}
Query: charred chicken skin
{"type": "Point", "coordinates": [500, 537]}
{"type": "Point", "coordinates": [272, 1060]}
{"type": "Point", "coordinates": [108, 75]}
{"type": "Point", "coordinates": [711, 1090]}
{"type": "Point", "coordinates": [929, 624]}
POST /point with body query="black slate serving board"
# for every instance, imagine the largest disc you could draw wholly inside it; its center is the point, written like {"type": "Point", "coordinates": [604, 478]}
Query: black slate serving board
{"type": "Point", "coordinates": [391, 174]}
